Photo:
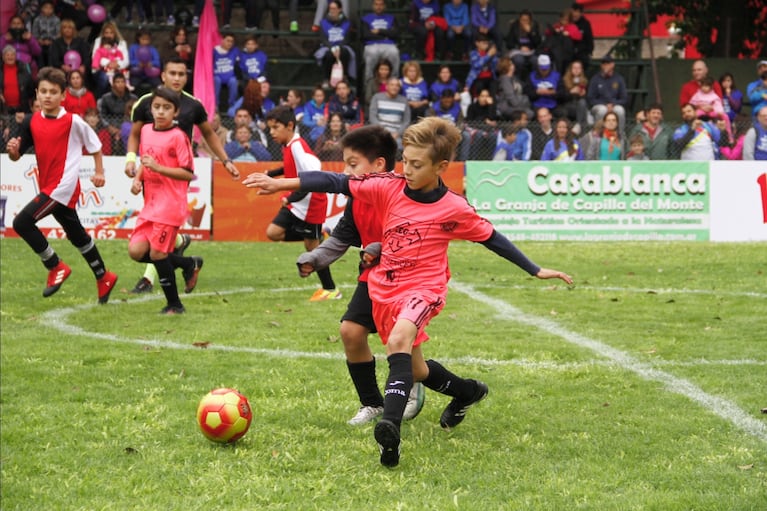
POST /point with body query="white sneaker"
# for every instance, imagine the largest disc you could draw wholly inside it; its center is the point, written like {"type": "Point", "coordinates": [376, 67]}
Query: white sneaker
{"type": "Point", "coordinates": [365, 414]}
{"type": "Point", "coordinates": [414, 401]}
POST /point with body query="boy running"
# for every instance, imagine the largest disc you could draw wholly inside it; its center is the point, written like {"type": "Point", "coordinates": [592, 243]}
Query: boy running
{"type": "Point", "coordinates": [59, 138]}
{"type": "Point", "coordinates": [167, 167]}
{"type": "Point", "coordinates": [366, 150]}
{"type": "Point", "coordinates": [302, 214]}
{"type": "Point", "coordinates": [409, 286]}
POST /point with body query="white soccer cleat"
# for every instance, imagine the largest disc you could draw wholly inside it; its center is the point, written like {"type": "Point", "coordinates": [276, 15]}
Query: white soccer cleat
{"type": "Point", "coordinates": [414, 401]}
{"type": "Point", "coordinates": [366, 414]}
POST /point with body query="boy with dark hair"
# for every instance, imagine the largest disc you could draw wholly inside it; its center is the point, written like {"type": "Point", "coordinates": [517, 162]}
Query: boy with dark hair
{"type": "Point", "coordinates": [302, 214]}
{"type": "Point", "coordinates": [59, 138]}
{"type": "Point", "coordinates": [366, 150]}
{"type": "Point", "coordinates": [409, 285]}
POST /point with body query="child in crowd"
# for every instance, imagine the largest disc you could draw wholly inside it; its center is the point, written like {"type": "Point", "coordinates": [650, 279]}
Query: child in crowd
{"type": "Point", "coordinates": [225, 57]}
{"type": "Point", "coordinates": [708, 104]}
{"type": "Point", "coordinates": [144, 61]}
{"type": "Point", "coordinates": [252, 60]}
{"type": "Point", "coordinates": [636, 148]}
{"type": "Point", "coordinates": [45, 28]}
{"type": "Point", "coordinates": [106, 58]}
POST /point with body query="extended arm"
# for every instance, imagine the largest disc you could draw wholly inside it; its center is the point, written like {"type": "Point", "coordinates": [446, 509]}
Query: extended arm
{"type": "Point", "coordinates": [329, 182]}
{"type": "Point", "coordinates": [501, 245]}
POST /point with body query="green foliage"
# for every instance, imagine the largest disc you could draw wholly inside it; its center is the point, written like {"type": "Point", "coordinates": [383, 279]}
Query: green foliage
{"type": "Point", "coordinates": [97, 403]}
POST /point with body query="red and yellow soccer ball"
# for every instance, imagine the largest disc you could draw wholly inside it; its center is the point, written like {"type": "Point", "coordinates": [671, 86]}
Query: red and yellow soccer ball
{"type": "Point", "coordinates": [224, 415]}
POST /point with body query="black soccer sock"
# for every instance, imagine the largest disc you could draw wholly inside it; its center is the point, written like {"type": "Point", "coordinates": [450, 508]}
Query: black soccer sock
{"type": "Point", "coordinates": [326, 279]}
{"type": "Point", "coordinates": [398, 386]}
{"type": "Point", "coordinates": [363, 376]}
{"type": "Point", "coordinates": [443, 381]}
{"type": "Point", "coordinates": [167, 281]}
{"type": "Point", "coordinates": [183, 262]}
{"type": "Point", "coordinates": [49, 257]}
{"type": "Point", "coordinates": [91, 254]}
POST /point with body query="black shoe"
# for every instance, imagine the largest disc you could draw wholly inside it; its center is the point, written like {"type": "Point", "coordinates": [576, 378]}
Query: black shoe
{"type": "Point", "coordinates": [171, 310]}
{"type": "Point", "coordinates": [142, 286]}
{"type": "Point", "coordinates": [190, 276]}
{"type": "Point", "coordinates": [456, 409]}
{"type": "Point", "coordinates": [387, 436]}
{"type": "Point", "coordinates": [186, 240]}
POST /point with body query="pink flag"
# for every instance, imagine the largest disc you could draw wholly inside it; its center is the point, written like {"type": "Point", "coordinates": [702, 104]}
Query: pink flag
{"type": "Point", "coordinates": [207, 39]}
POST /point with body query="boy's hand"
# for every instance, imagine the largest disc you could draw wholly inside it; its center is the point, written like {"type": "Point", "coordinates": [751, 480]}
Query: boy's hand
{"type": "Point", "coordinates": [136, 186]}
{"type": "Point", "coordinates": [98, 179]}
{"type": "Point", "coordinates": [305, 264]}
{"type": "Point", "coordinates": [130, 169]}
{"type": "Point", "coordinates": [260, 180]}
{"type": "Point", "coordinates": [13, 148]}
{"type": "Point", "coordinates": [148, 161]}
{"type": "Point", "coordinates": [546, 273]}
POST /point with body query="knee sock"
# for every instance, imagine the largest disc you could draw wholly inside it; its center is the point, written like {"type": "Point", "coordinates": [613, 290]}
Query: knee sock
{"type": "Point", "coordinates": [183, 262]}
{"type": "Point", "coordinates": [91, 254]}
{"type": "Point", "coordinates": [326, 279]}
{"type": "Point", "coordinates": [443, 381]}
{"type": "Point", "coordinates": [49, 257]}
{"type": "Point", "coordinates": [167, 281]}
{"type": "Point", "coordinates": [363, 376]}
{"type": "Point", "coordinates": [398, 386]}
{"type": "Point", "coordinates": [150, 273]}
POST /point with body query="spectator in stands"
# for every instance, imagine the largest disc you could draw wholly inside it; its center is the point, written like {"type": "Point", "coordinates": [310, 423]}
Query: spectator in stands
{"type": "Point", "coordinates": [77, 98]}
{"type": "Point", "coordinates": [511, 95]}
{"type": "Point", "coordinates": [252, 60]}
{"type": "Point", "coordinates": [542, 131]}
{"type": "Point", "coordinates": [266, 90]}
{"type": "Point", "coordinates": [179, 46]}
{"type": "Point", "coordinates": [27, 48]}
{"type": "Point", "coordinates": [244, 147]}
{"type": "Point", "coordinates": [68, 40]}
{"type": "Point", "coordinates": [607, 92]}
{"type": "Point", "coordinates": [637, 149]}
{"type": "Point", "coordinates": [563, 146]}
{"type": "Point", "coordinates": [732, 149]}
{"type": "Point", "coordinates": [322, 9]}
{"type": "Point", "coordinates": [415, 89]}
{"type": "Point", "coordinates": [561, 40]}
{"type": "Point", "coordinates": [575, 84]}
{"type": "Point", "coordinates": [328, 146]}
{"type": "Point", "coordinates": [390, 110]}
{"type": "Point", "coordinates": [483, 63]}
{"type": "Point", "coordinates": [344, 102]}
{"type": "Point", "coordinates": [336, 45]}
{"type": "Point", "coordinates": [655, 133]}
{"type": "Point", "coordinates": [377, 83]}
{"type": "Point", "coordinates": [482, 125]}
{"type": "Point", "coordinates": [242, 117]}
{"type": "Point", "coordinates": [458, 35]}
{"type": "Point", "coordinates": [544, 85]}
{"type": "Point", "coordinates": [695, 139]}
{"type": "Point", "coordinates": [732, 98]}
{"type": "Point", "coordinates": [484, 21]}
{"type": "Point", "coordinates": [111, 105]}
{"type": "Point", "coordinates": [45, 28]}
{"type": "Point", "coordinates": [447, 107]}
{"type": "Point", "coordinates": [379, 37]}
{"type": "Point", "coordinates": [223, 134]}
{"type": "Point", "coordinates": [144, 72]}
{"type": "Point", "coordinates": [585, 47]}
{"type": "Point", "coordinates": [225, 56]}
{"type": "Point", "coordinates": [444, 81]}
{"type": "Point", "coordinates": [516, 142]}
{"type": "Point", "coordinates": [16, 85]}
{"type": "Point", "coordinates": [127, 124]}
{"type": "Point", "coordinates": [315, 116]}
{"type": "Point", "coordinates": [252, 91]}
{"type": "Point", "coordinates": [295, 100]}
{"type": "Point", "coordinates": [591, 137]}
{"type": "Point", "coordinates": [708, 104]}
{"type": "Point", "coordinates": [429, 28]}
{"type": "Point", "coordinates": [106, 58]}
{"type": "Point", "coordinates": [253, 12]}
{"type": "Point", "coordinates": [755, 142]}
{"type": "Point", "coordinates": [110, 34]}
{"type": "Point", "coordinates": [77, 12]}
{"type": "Point", "coordinates": [523, 41]}
{"type": "Point", "coordinates": [699, 71]}
{"type": "Point", "coordinates": [610, 143]}
{"type": "Point", "coordinates": [94, 120]}
{"type": "Point", "coordinates": [757, 90]}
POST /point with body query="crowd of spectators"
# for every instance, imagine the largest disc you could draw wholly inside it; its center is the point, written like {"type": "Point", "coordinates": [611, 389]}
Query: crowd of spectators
{"type": "Point", "coordinates": [526, 94]}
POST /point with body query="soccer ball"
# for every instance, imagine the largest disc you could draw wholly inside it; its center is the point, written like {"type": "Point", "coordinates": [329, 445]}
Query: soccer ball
{"type": "Point", "coordinates": [224, 415]}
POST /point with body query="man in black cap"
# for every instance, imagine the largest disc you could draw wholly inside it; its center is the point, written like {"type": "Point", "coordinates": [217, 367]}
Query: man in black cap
{"type": "Point", "coordinates": [607, 93]}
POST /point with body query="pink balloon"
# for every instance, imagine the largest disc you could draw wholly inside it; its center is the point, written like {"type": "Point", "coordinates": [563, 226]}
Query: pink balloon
{"type": "Point", "coordinates": [152, 72]}
{"type": "Point", "coordinates": [97, 13]}
{"type": "Point", "coordinates": [72, 59]}
{"type": "Point", "coordinates": [144, 54]}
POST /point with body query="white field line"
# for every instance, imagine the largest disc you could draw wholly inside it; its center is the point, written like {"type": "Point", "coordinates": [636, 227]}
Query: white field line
{"type": "Point", "coordinates": [57, 319]}
{"type": "Point", "coordinates": [638, 290]}
{"type": "Point", "coordinates": [721, 407]}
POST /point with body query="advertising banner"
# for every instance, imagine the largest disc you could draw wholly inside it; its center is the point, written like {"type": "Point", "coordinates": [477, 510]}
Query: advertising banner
{"type": "Point", "coordinates": [739, 201]}
{"type": "Point", "coordinates": [593, 201]}
{"type": "Point", "coordinates": [108, 212]}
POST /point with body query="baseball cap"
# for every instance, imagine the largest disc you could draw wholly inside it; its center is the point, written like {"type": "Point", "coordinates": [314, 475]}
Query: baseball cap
{"type": "Point", "coordinates": [608, 58]}
{"type": "Point", "coordinates": [544, 61]}
{"type": "Point", "coordinates": [761, 63]}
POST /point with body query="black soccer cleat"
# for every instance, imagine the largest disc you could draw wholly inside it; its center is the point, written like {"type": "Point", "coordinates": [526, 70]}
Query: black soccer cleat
{"type": "Point", "coordinates": [172, 310]}
{"type": "Point", "coordinates": [387, 436]}
{"type": "Point", "coordinates": [142, 286]}
{"type": "Point", "coordinates": [456, 409]}
{"type": "Point", "coordinates": [190, 276]}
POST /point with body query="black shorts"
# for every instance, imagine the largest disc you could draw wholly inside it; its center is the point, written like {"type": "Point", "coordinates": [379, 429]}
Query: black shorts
{"type": "Point", "coordinates": [294, 225]}
{"type": "Point", "coordinates": [360, 308]}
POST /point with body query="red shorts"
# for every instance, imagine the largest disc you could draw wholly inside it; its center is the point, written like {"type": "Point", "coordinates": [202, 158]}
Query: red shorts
{"type": "Point", "coordinates": [161, 237]}
{"type": "Point", "coordinates": [417, 308]}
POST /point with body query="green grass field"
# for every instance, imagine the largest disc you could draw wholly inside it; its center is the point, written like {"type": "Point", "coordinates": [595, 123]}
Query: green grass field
{"type": "Point", "coordinates": [639, 388]}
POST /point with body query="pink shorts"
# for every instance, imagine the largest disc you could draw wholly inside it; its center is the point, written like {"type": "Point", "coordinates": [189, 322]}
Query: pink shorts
{"type": "Point", "coordinates": [161, 237]}
{"type": "Point", "coordinates": [418, 308]}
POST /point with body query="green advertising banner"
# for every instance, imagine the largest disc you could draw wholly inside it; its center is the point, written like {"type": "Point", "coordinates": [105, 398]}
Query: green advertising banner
{"type": "Point", "coordinates": [592, 201]}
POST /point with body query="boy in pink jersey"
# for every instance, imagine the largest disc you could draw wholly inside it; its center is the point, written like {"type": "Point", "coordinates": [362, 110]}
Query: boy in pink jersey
{"type": "Point", "coordinates": [409, 285]}
{"type": "Point", "coordinates": [59, 138]}
{"type": "Point", "coordinates": [302, 214]}
{"type": "Point", "coordinates": [167, 167]}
